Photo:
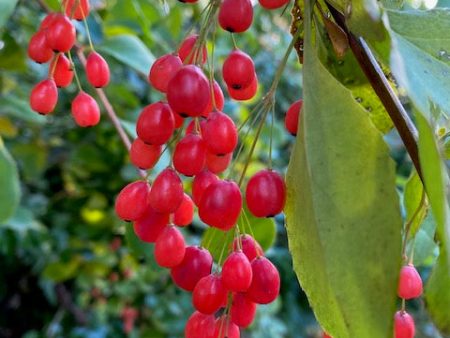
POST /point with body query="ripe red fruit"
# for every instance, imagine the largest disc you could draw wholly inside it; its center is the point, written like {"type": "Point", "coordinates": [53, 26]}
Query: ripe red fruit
{"type": "Point", "coordinates": [150, 225]}
{"type": "Point", "coordinates": [238, 70]}
{"type": "Point", "coordinates": [63, 72]}
{"type": "Point", "coordinates": [410, 284]}
{"type": "Point", "coordinates": [404, 325]}
{"type": "Point", "coordinates": [184, 215]}
{"type": "Point", "coordinates": [156, 124]}
{"type": "Point", "coordinates": [201, 182]}
{"type": "Point", "coordinates": [221, 205]}
{"type": "Point", "coordinates": [265, 285]}
{"type": "Point", "coordinates": [167, 192]}
{"type": "Point", "coordinates": [220, 133]}
{"type": "Point", "coordinates": [162, 70]}
{"type": "Point", "coordinates": [292, 116]}
{"type": "Point", "coordinates": [244, 94]}
{"type": "Point", "coordinates": [209, 294]}
{"type": "Point", "coordinates": [219, 99]}
{"type": "Point", "coordinates": [77, 9]}
{"type": "Point", "coordinates": [144, 156]}
{"type": "Point", "coordinates": [188, 92]}
{"type": "Point", "coordinates": [97, 70]}
{"type": "Point", "coordinates": [85, 110]}
{"type": "Point", "coordinates": [325, 335]}
{"type": "Point", "coordinates": [196, 264]}
{"type": "Point", "coordinates": [218, 163]}
{"type": "Point", "coordinates": [169, 247]}
{"type": "Point", "coordinates": [225, 328]}
{"type": "Point", "coordinates": [189, 156]}
{"type": "Point", "coordinates": [200, 325]}
{"type": "Point", "coordinates": [237, 272]}
{"type": "Point", "coordinates": [48, 21]}
{"type": "Point", "coordinates": [250, 247]}
{"type": "Point", "coordinates": [132, 201]}
{"type": "Point", "coordinates": [273, 4]}
{"type": "Point", "coordinates": [186, 53]}
{"type": "Point", "coordinates": [236, 16]}
{"type": "Point", "coordinates": [38, 50]}
{"type": "Point", "coordinates": [266, 193]}
{"type": "Point", "coordinates": [60, 34]}
{"type": "Point", "coordinates": [44, 96]}
{"type": "Point", "coordinates": [243, 310]}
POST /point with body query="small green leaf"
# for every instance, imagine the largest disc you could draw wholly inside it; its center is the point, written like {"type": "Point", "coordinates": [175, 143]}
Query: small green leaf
{"type": "Point", "coordinates": [9, 183]}
{"type": "Point", "coordinates": [414, 201]}
{"type": "Point", "coordinates": [6, 9]}
{"type": "Point", "coordinates": [62, 271]}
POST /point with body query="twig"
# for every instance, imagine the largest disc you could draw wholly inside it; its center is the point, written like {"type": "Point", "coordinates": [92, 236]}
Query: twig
{"type": "Point", "coordinates": [65, 299]}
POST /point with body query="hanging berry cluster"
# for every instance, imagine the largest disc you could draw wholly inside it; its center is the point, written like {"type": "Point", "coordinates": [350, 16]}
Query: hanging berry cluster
{"type": "Point", "coordinates": [52, 43]}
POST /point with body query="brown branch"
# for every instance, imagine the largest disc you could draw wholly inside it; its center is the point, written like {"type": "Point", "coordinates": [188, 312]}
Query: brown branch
{"type": "Point", "coordinates": [65, 299]}
{"type": "Point", "coordinates": [382, 88]}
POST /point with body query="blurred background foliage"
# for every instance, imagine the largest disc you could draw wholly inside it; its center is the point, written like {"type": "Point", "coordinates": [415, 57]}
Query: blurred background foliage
{"type": "Point", "coordinates": [68, 266]}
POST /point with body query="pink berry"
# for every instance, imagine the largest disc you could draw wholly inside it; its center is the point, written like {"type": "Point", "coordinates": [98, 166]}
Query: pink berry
{"type": "Point", "coordinates": [201, 182]}
{"type": "Point", "coordinates": [162, 70]}
{"type": "Point", "coordinates": [38, 50]}
{"type": "Point", "coordinates": [150, 225]}
{"type": "Point", "coordinates": [143, 155]}
{"type": "Point", "coordinates": [189, 157]}
{"type": "Point", "coordinates": [236, 16]}
{"type": "Point", "coordinates": [85, 110]}
{"type": "Point", "coordinates": [265, 285]}
{"type": "Point", "coordinates": [410, 284]}
{"type": "Point", "coordinates": [44, 96]}
{"type": "Point", "coordinates": [246, 93]}
{"type": "Point", "coordinates": [97, 70]}
{"type": "Point", "coordinates": [225, 328]}
{"type": "Point", "coordinates": [292, 116]}
{"type": "Point", "coordinates": [250, 247]}
{"type": "Point", "coordinates": [155, 124]}
{"type": "Point", "coordinates": [184, 215]}
{"type": "Point", "coordinates": [218, 163]}
{"type": "Point", "coordinates": [243, 310]}
{"type": "Point", "coordinates": [404, 325]}
{"type": "Point", "coordinates": [63, 71]}
{"type": "Point", "coordinates": [132, 201]}
{"type": "Point", "coordinates": [169, 247]}
{"type": "Point", "coordinates": [237, 272]}
{"type": "Point", "coordinates": [60, 34]}
{"type": "Point", "coordinates": [209, 294]}
{"type": "Point", "coordinates": [220, 133]}
{"type": "Point", "coordinates": [167, 193]}
{"type": "Point", "coordinates": [188, 55]}
{"type": "Point", "coordinates": [200, 325]}
{"type": "Point", "coordinates": [238, 70]}
{"type": "Point", "coordinates": [273, 4]}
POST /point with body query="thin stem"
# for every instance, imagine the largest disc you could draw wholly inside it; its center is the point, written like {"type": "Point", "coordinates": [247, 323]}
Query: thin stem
{"type": "Point", "coordinates": [88, 33]}
{"type": "Point", "coordinates": [271, 135]}
{"type": "Point", "coordinates": [234, 41]}
{"type": "Point", "coordinates": [410, 222]}
{"type": "Point", "coordinates": [77, 79]}
{"type": "Point", "coordinates": [53, 65]}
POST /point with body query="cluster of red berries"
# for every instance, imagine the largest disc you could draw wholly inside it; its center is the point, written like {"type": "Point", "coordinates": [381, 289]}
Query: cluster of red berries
{"type": "Point", "coordinates": [54, 39]}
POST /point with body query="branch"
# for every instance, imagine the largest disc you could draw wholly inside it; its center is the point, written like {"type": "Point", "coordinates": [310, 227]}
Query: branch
{"type": "Point", "coordinates": [65, 299]}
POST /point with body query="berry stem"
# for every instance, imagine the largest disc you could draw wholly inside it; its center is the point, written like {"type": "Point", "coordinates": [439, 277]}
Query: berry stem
{"type": "Point", "coordinates": [53, 65]}
{"type": "Point", "coordinates": [88, 33]}
{"type": "Point", "coordinates": [72, 64]}
{"type": "Point", "coordinates": [410, 222]}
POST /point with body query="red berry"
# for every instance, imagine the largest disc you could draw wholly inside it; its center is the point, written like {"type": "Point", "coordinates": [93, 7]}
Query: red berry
{"type": "Point", "coordinates": [237, 272]}
{"type": "Point", "coordinates": [404, 325]}
{"type": "Point", "coordinates": [219, 99]}
{"type": "Point", "coordinates": [77, 9]}
{"type": "Point", "coordinates": [225, 328]}
{"type": "Point", "coordinates": [144, 156]}
{"type": "Point", "coordinates": [60, 34]}
{"type": "Point", "coordinates": [44, 96]}
{"type": "Point", "coordinates": [188, 92]}
{"type": "Point", "coordinates": [244, 94]}
{"type": "Point", "coordinates": [201, 182]}
{"type": "Point", "coordinates": [97, 70]}
{"type": "Point", "coordinates": [292, 116]}
{"type": "Point", "coordinates": [410, 284]}
{"type": "Point", "coordinates": [184, 215]}
{"type": "Point", "coordinates": [162, 70]}
{"type": "Point", "coordinates": [266, 193]}
{"type": "Point", "coordinates": [167, 192]}
{"type": "Point", "coordinates": [238, 70]}
{"type": "Point", "coordinates": [218, 163]}
{"type": "Point", "coordinates": [85, 110]}
{"type": "Point", "coordinates": [38, 50]}
{"type": "Point", "coordinates": [132, 201]}
{"type": "Point", "coordinates": [250, 247]}
{"type": "Point", "coordinates": [236, 16]}
{"type": "Point", "coordinates": [265, 285]}
{"type": "Point", "coordinates": [150, 225]}
{"type": "Point", "coordinates": [63, 71]}
{"type": "Point", "coordinates": [221, 205]}
{"type": "Point", "coordinates": [187, 55]}
{"type": "Point", "coordinates": [48, 20]}
{"type": "Point", "coordinates": [169, 247]}
{"type": "Point", "coordinates": [273, 4]}
{"type": "Point", "coordinates": [200, 325]}
{"type": "Point", "coordinates": [209, 294]}
{"type": "Point", "coordinates": [196, 264]}
{"type": "Point", "coordinates": [189, 156]}
{"type": "Point", "coordinates": [179, 121]}
{"type": "Point", "coordinates": [220, 133]}
{"type": "Point", "coordinates": [194, 128]}
{"type": "Point", "coordinates": [156, 124]}
{"type": "Point", "coordinates": [325, 335]}
{"type": "Point", "coordinates": [243, 310]}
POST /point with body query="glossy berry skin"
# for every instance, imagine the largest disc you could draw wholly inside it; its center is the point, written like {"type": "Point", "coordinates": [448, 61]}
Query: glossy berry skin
{"type": "Point", "coordinates": [236, 16]}
{"type": "Point", "coordinates": [265, 285]}
{"type": "Point", "coordinates": [44, 96]}
{"type": "Point", "coordinates": [273, 4]}
{"type": "Point", "coordinates": [238, 70]}
{"type": "Point", "coordinates": [200, 325]}
{"type": "Point", "coordinates": [404, 326]}
{"type": "Point", "coordinates": [221, 205]}
{"type": "Point", "coordinates": [292, 116]}
{"type": "Point", "coordinates": [220, 133]}
{"type": "Point", "coordinates": [201, 182]}
{"type": "Point", "coordinates": [209, 294]}
{"type": "Point", "coordinates": [189, 156]}
{"type": "Point", "coordinates": [169, 247]}
{"type": "Point", "coordinates": [325, 335]}
{"type": "Point", "coordinates": [167, 192]}
{"type": "Point", "coordinates": [188, 92]}
{"type": "Point", "coordinates": [60, 34]}
{"type": "Point", "coordinates": [250, 247]}
{"type": "Point", "coordinates": [79, 8]}
{"type": "Point", "coordinates": [162, 70]}
{"type": "Point", "coordinates": [243, 310]}
{"type": "Point", "coordinates": [225, 328]}
{"type": "Point", "coordinates": [218, 163]}
{"type": "Point", "coordinates": [186, 54]}
{"type": "Point", "coordinates": [197, 263]}
{"type": "Point", "coordinates": [155, 124]}
{"type": "Point", "coordinates": [149, 226]}
{"type": "Point", "coordinates": [266, 193]}
{"type": "Point", "coordinates": [184, 215]}
{"type": "Point", "coordinates": [132, 201]}
{"type": "Point", "coordinates": [219, 100]}
{"type": "Point", "coordinates": [38, 50]}
{"type": "Point", "coordinates": [237, 272]}
{"type": "Point", "coordinates": [48, 21]}
{"type": "Point", "coordinates": [244, 94]}
{"type": "Point", "coordinates": [144, 156]}
{"type": "Point", "coordinates": [85, 110]}
{"type": "Point", "coordinates": [410, 284]}
{"type": "Point", "coordinates": [63, 74]}
{"type": "Point", "coordinates": [97, 70]}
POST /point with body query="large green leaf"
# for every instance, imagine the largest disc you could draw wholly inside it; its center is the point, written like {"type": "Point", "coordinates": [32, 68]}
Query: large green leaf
{"type": "Point", "coordinates": [343, 217]}
{"type": "Point", "coordinates": [9, 183]}
{"type": "Point", "coordinates": [6, 9]}
{"type": "Point", "coordinates": [19, 108]}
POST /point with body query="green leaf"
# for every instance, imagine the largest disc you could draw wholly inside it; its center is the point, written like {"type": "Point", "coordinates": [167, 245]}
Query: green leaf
{"type": "Point", "coordinates": [62, 271]}
{"type": "Point", "coordinates": [414, 201]}
{"type": "Point", "coordinates": [425, 249]}
{"type": "Point", "coordinates": [6, 9]}
{"type": "Point", "coordinates": [343, 217]}
{"type": "Point", "coordinates": [129, 50]}
{"type": "Point", "coordinates": [9, 183]}
{"type": "Point", "coordinates": [20, 108]}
